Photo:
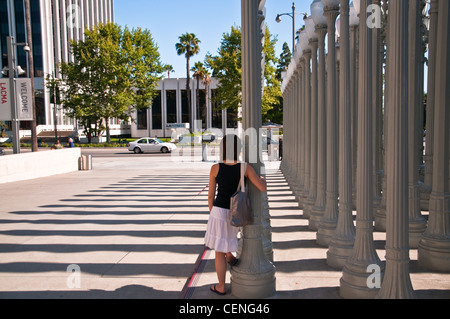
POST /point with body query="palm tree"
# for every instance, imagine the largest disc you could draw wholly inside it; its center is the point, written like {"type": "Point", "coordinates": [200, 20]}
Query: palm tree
{"type": "Point", "coordinates": [206, 81]}
{"type": "Point", "coordinates": [189, 46]}
{"type": "Point", "coordinates": [202, 75]}
{"type": "Point", "coordinates": [198, 70]}
{"type": "Point", "coordinates": [168, 68]}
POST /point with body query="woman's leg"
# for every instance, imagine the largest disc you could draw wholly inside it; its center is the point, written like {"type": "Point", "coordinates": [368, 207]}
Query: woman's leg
{"type": "Point", "coordinates": [221, 270]}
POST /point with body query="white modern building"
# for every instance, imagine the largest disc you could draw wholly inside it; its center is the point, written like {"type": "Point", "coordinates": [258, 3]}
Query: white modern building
{"type": "Point", "coordinates": [54, 23]}
{"type": "Point", "coordinates": [170, 110]}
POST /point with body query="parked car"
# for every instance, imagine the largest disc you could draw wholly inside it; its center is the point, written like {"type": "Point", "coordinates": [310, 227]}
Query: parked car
{"type": "Point", "coordinates": [148, 144]}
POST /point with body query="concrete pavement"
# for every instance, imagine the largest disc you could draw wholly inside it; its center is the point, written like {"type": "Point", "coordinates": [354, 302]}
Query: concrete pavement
{"type": "Point", "coordinates": [134, 228]}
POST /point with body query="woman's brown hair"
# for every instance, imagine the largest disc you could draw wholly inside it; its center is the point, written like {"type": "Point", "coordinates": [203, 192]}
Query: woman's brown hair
{"type": "Point", "coordinates": [231, 148]}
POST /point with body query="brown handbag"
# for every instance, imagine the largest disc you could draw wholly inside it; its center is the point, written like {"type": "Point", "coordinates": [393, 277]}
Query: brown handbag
{"type": "Point", "coordinates": [241, 213]}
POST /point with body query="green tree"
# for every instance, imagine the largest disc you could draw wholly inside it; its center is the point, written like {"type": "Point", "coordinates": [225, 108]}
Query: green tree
{"type": "Point", "coordinates": [201, 74]}
{"type": "Point", "coordinates": [189, 46]}
{"type": "Point", "coordinates": [275, 112]}
{"type": "Point", "coordinates": [168, 68]}
{"type": "Point", "coordinates": [284, 60]}
{"type": "Point", "coordinates": [114, 73]}
{"type": "Point", "coordinates": [227, 67]}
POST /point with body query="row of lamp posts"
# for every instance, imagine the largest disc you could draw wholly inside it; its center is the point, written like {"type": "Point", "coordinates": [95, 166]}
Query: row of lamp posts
{"type": "Point", "coordinates": [353, 138]}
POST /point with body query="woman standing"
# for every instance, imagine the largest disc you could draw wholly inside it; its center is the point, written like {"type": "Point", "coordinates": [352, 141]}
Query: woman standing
{"type": "Point", "coordinates": [220, 235]}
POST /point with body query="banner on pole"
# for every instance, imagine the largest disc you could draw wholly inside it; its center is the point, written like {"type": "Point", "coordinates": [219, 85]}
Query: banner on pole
{"type": "Point", "coordinates": [5, 100]}
{"type": "Point", "coordinates": [24, 100]}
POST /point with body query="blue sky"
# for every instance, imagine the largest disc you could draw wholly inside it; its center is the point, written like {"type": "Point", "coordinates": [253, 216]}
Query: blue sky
{"type": "Point", "coordinates": [208, 19]}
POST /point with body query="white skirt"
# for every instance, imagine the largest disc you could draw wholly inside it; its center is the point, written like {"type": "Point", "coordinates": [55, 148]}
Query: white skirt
{"type": "Point", "coordinates": [220, 235]}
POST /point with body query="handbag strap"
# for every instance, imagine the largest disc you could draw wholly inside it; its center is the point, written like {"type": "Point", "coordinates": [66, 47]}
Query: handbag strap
{"type": "Point", "coordinates": [242, 180]}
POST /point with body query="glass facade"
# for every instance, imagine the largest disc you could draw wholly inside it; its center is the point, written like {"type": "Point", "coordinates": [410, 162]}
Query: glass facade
{"type": "Point", "coordinates": [4, 32]}
{"type": "Point", "coordinates": [185, 114]}
{"type": "Point", "coordinates": [171, 98]}
{"type": "Point", "coordinates": [157, 112]}
{"type": "Point", "coordinates": [142, 119]}
{"type": "Point", "coordinates": [216, 113]}
{"type": "Point", "coordinates": [201, 111]}
{"type": "Point", "coordinates": [20, 34]}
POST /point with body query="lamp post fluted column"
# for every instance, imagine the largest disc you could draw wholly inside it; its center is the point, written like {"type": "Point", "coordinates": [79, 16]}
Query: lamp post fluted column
{"type": "Point", "coordinates": [428, 180]}
{"type": "Point", "coordinates": [417, 223]}
{"type": "Point", "coordinates": [355, 276]}
{"type": "Point", "coordinates": [254, 276]}
{"type": "Point", "coordinates": [328, 222]}
{"type": "Point", "coordinates": [302, 121]}
{"type": "Point", "coordinates": [319, 206]}
{"type": "Point", "coordinates": [434, 246]}
{"type": "Point", "coordinates": [342, 242]}
{"type": "Point", "coordinates": [307, 115]}
{"type": "Point", "coordinates": [309, 203]}
{"type": "Point", "coordinates": [377, 108]}
{"type": "Point", "coordinates": [397, 283]}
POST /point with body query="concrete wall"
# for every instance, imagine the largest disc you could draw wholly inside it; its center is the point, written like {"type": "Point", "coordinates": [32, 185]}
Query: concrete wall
{"type": "Point", "coordinates": [27, 166]}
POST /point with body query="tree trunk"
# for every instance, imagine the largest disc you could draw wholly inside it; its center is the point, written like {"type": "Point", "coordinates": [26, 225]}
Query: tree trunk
{"type": "Point", "coordinates": [34, 143]}
{"type": "Point", "coordinates": [108, 132]}
{"type": "Point", "coordinates": [198, 99]}
{"type": "Point", "coordinates": [188, 89]}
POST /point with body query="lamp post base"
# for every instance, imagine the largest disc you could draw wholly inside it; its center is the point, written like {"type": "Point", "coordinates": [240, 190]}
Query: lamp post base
{"type": "Point", "coordinates": [254, 276]}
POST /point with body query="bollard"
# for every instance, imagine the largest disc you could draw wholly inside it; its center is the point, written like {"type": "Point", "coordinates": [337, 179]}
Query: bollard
{"type": "Point", "coordinates": [85, 163]}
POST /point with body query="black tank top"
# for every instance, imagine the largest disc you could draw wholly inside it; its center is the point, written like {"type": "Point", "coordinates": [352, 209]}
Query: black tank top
{"type": "Point", "coordinates": [227, 180]}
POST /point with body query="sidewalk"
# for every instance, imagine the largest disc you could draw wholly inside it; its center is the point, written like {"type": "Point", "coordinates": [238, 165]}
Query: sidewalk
{"type": "Point", "coordinates": [301, 268]}
{"type": "Point", "coordinates": [135, 230]}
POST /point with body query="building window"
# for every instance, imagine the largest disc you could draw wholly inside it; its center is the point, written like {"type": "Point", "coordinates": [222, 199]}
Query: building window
{"type": "Point", "coordinates": [231, 118]}
{"type": "Point", "coordinates": [201, 111]}
{"type": "Point", "coordinates": [38, 57]}
{"type": "Point", "coordinates": [157, 112]}
{"type": "Point", "coordinates": [4, 32]}
{"type": "Point", "coordinates": [216, 113]}
{"type": "Point", "coordinates": [40, 107]}
{"type": "Point", "coordinates": [186, 116]}
{"type": "Point", "coordinates": [142, 119]}
{"type": "Point", "coordinates": [171, 106]}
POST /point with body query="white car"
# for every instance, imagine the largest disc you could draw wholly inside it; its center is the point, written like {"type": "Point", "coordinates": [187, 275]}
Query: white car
{"type": "Point", "coordinates": [149, 144]}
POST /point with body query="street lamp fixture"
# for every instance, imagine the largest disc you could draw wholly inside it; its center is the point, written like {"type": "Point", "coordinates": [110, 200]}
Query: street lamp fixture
{"type": "Point", "coordinates": [292, 15]}
{"type": "Point", "coordinates": [12, 69]}
{"type": "Point", "coordinates": [354, 19]}
{"type": "Point", "coordinates": [357, 5]}
{"type": "Point", "coordinates": [317, 13]}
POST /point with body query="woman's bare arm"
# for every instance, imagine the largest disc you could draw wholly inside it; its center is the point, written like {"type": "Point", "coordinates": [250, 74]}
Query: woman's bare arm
{"type": "Point", "coordinates": [212, 186]}
{"type": "Point", "coordinates": [256, 180]}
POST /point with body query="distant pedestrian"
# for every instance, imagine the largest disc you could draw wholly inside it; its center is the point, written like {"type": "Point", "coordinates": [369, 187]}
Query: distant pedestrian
{"type": "Point", "coordinates": [57, 146]}
{"type": "Point", "coordinates": [220, 235]}
{"type": "Point", "coordinates": [70, 143]}
{"type": "Point", "coordinates": [280, 149]}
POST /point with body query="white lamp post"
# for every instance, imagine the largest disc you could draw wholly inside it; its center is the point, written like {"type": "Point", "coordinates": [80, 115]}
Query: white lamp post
{"type": "Point", "coordinates": [306, 99]}
{"type": "Point", "coordinates": [313, 44]}
{"type": "Point", "coordinates": [254, 276]}
{"type": "Point", "coordinates": [299, 181]}
{"type": "Point", "coordinates": [354, 281]}
{"type": "Point", "coordinates": [321, 30]}
{"type": "Point", "coordinates": [397, 282]}
{"type": "Point", "coordinates": [341, 244]}
{"type": "Point", "coordinates": [354, 25]}
{"type": "Point", "coordinates": [434, 247]}
{"type": "Point", "coordinates": [328, 222]}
